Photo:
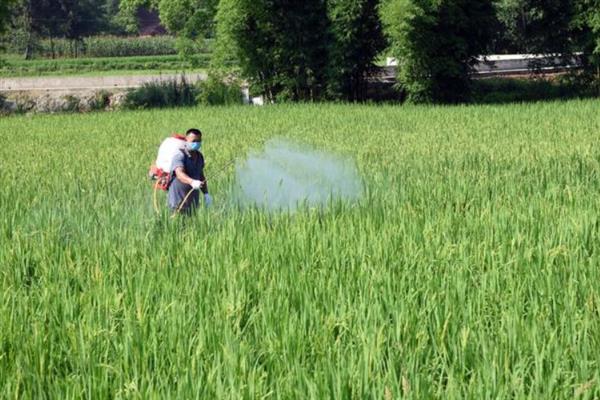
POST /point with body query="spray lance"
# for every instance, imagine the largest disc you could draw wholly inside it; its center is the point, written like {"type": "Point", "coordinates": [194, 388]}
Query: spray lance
{"type": "Point", "coordinates": [221, 171]}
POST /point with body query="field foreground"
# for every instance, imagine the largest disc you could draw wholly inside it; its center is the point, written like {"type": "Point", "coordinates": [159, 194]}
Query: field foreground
{"type": "Point", "coordinates": [470, 268]}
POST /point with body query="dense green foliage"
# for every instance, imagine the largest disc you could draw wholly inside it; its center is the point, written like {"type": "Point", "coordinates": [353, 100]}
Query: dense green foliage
{"type": "Point", "coordinates": [70, 19]}
{"type": "Point", "coordinates": [436, 43]}
{"type": "Point", "coordinates": [32, 21]}
{"type": "Point", "coordinates": [4, 14]}
{"type": "Point", "coordinates": [357, 39]}
{"type": "Point", "coordinates": [552, 26]}
{"type": "Point", "coordinates": [587, 24]}
{"type": "Point", "coordinates": [129, 46]}
{"type": "Point", "coordinates": [4, 17]}
{"type": "Point", "coordinates": [219, 91]}
{"type": "Point", "coordinates": [321, 49]}
{"type": "Point", "coordinates": [19, 67]}
{"type": "Point", "coordinates": [469, 269]}
{"type": "Point", "coordinates": [191, 19]}
{"type": "Point", "coordinates": [512, 32]}
{"type": "Point", "coordinates": [280, 47]}
{"type": "Point", "coordinates": [99, 46]}
{"type": "Point", "coordinates": [169, 93]}
{"type": "Point", "coordinates": [506, 90]}
{"type": "Point", "coordinates": [179, 92]}
{"type": "Point", "coordinates": [536, 26]}
{"type": "Point", "coordinates": [300, 51]}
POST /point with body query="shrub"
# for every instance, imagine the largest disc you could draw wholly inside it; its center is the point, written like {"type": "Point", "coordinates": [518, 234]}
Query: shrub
{"type": "Point", "coordinates": [24, 104]}
{"type": "Point", "coordinates": [71, 103]}
{"type": "Point", "coordinates": [218, 91]}
{"type": "Point", "coordinates": [101, 100]}
{"type": "Point", "coordinates": [3, 109]}
{"type": "Point", "coordinates": [171, 93]}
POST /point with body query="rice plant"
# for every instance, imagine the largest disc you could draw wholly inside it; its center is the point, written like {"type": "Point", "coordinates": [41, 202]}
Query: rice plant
{"type": "Point", "coordinates": [469, 268]}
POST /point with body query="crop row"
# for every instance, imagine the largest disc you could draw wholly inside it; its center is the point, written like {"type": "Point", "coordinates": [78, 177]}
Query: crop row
{"type": "Point", "coordinates": [17, 67]}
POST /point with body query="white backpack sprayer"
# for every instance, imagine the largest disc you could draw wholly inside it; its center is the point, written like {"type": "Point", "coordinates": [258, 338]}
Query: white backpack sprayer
{"type": "Point", "coordinates": [161, 171]}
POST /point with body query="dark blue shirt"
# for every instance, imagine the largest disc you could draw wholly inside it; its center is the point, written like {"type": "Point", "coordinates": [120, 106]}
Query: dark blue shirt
{"type": "Point", "coordinates": [192, 163]}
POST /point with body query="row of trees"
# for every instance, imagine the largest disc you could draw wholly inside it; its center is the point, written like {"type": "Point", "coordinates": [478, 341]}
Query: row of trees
{"type": "Point", "coordinates": [30, 20]}
{"type": "Point", "coordinates": [295, 50]}
{"type": "Point", "coordinates": [325, 49]}
{"type": "Point", "coordinates": [305, 50]}
{"type": "Point", "coordinates": [318, 49]}
{"type": "Point", "coordinates": [192, 19]}
{"type": "Point", "coordinates": [437, 41]}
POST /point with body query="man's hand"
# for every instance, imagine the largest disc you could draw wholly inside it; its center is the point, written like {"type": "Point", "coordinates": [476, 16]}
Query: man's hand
{"type": "Point", "coordinates": [196, 185]}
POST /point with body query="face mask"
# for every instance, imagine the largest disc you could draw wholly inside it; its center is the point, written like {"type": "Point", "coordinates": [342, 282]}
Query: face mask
{"type": "Point", "coordinates": [194, 146]}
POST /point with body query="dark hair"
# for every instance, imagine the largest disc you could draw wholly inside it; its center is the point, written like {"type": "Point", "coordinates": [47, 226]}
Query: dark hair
{"type": "Point", "coordinates": [193, 131]}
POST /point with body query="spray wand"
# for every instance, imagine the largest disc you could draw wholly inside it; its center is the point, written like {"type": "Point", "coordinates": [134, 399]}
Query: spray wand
{"type": "Point", "coordinates": [216, 175]}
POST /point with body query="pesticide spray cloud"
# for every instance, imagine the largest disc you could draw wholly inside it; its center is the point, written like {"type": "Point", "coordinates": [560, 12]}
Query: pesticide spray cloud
{"type": "Point", "coordinates": [287, 175]}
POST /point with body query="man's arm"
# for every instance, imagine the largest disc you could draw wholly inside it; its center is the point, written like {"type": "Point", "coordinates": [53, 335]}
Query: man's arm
{"type": "Point", "coordinates": [182, 176]}
{"type": "Point", "coordinates": [185, 179]}
{"type": "Point", "coordinates": [177, 166]}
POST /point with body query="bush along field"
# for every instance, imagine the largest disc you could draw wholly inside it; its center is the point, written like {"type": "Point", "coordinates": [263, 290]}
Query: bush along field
{"type": "Point", "coordinates": [467, 269]}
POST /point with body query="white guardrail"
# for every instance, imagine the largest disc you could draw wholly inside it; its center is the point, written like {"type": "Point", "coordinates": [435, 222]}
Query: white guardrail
{"type": "Point", "coordinates": [507, 64]}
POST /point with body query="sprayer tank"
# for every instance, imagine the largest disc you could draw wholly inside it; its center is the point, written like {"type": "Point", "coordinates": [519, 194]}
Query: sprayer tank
{"type": "Point", "coordinates": [167, 150]}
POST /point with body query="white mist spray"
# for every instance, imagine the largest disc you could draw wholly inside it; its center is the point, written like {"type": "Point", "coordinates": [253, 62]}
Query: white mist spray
{"type": "Point", "coordinates": [286, 176]}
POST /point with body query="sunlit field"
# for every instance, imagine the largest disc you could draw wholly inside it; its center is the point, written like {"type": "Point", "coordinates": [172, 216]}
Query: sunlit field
{"type": "Point", "coordinates": [469, 268]}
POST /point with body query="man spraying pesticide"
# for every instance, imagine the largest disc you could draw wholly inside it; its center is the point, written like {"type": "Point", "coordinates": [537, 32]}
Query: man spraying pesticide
{"type": "Point", "coordinates": [179, 169]}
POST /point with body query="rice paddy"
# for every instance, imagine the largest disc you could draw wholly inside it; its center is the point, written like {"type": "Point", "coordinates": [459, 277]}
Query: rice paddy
{"type": "Point", "coordinates": [469, 268]}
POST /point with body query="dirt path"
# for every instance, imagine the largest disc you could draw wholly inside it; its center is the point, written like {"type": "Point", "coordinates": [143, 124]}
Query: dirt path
{"type": "Point", "coordinates": [68, 83]}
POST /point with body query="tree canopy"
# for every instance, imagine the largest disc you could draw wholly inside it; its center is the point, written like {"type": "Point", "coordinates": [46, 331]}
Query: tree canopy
{"type": "Point", "coordinates": [326, 49]}
{"type": "Point", "coordinates": [4, 14]}
{"type": "Point", "coordinates": [437, 42]}
{"type": "Point", "coordinates": [189, 18]}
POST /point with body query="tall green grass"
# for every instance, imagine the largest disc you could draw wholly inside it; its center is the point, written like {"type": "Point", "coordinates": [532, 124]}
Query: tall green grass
{"type": "Point", "coordinates": [470, 269]}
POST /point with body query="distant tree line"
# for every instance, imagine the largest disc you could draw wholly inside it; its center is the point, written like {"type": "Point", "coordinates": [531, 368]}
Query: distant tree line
{"type": "Point", "coordinates": [31, 20]}
{"type": "Point", "coordinates": [325, 49]}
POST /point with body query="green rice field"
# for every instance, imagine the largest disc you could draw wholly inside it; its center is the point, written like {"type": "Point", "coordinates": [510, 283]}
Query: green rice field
{"type": "Point", "coordinates": [15, 66]}
{"type": "Point", "coordinates": [470, 268]}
